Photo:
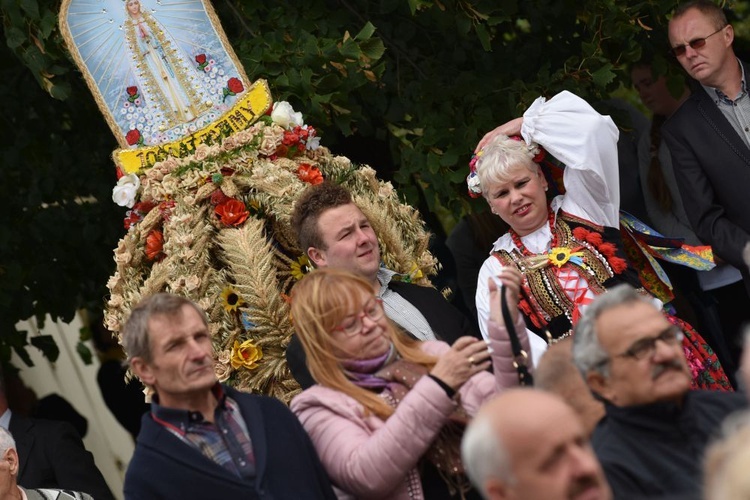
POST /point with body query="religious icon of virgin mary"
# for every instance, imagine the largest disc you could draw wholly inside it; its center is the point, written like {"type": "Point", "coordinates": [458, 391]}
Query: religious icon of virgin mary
{"type": "Point", "coordinates": [159, 69]}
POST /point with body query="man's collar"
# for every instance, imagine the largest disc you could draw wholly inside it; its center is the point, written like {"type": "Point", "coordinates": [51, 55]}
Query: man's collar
{"type": "Point", "coordinates": [660, 411]}
{"type": "Point", "coordinates": [178, 419]}
{"type": "Point", "coordinates": [721, 97]}
{"type": "Point", "coordinates": [5, 419]}
{"type": "Point", "coordinates": [384, 277]}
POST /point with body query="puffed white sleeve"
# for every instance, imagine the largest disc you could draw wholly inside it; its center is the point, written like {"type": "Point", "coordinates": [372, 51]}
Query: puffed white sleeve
{"type": "Point", "coordinates": [586, 142]}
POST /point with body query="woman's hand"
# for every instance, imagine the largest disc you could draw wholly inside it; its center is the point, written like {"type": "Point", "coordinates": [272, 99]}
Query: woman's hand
{"type": "Point", "coordinates": [467, 357]}
{"type": "Point", "coordinates": [511, 278]}
{"type": "Point", "coordinates": [510, 128]}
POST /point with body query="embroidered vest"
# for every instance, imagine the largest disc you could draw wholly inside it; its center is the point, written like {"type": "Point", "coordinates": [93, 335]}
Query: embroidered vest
{"type": "Point", "coordinates": [594, 252]}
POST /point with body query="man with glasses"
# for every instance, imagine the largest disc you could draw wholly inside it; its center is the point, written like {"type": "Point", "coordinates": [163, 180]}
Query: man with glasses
{"type": "Point", "coordinates": [709, 136]}
{"type": "Point", "coordinates": [651, 440]}
{"type": "Point", "coordinates": [334, 232]}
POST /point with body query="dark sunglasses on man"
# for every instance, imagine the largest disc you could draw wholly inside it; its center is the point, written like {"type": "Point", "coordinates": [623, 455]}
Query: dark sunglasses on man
{"type": "Point", "coordinates": [695, 44]}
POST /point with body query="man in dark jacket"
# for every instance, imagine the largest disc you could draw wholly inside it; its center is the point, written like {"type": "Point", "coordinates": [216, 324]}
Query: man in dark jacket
{"type": "Point", "coordinates": [202, 439]}
{"type": "Point", "coordinates": [655, 430]}
{"type": "Point", "coordinates": [334, 232]}
{"type": "Point", "coordinates": [51, 453]}
{"type": "Point", "coordinates": [709, 136]}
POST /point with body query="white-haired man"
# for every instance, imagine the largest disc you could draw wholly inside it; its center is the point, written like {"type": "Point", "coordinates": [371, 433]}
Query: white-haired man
{"type": "Point", "coordinates": [655, 430]}
{"type": "Point", "coordinates": [529, 444]}
{"type": "Point", "coordinates": [9, 465]}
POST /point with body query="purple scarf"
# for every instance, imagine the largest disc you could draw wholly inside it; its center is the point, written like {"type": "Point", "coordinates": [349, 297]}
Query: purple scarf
{"type": "Point", "coordinates": [361, 371]}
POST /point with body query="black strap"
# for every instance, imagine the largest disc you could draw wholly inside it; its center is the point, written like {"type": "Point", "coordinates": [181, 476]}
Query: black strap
{"type": "Point", "coordinates": [520, 357]}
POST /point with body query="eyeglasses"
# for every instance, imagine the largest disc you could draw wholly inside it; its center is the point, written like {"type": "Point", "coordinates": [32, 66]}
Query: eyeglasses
{"type": "Point", "coordinates": [352, 325]}
{"type": "Point", "coordinates": [695, 44]}
{"type": "Point", "coordinates": [646, 347]}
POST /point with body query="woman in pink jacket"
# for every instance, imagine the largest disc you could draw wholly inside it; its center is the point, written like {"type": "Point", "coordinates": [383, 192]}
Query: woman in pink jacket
{"type": "Point", "coordinates": [388, 412]}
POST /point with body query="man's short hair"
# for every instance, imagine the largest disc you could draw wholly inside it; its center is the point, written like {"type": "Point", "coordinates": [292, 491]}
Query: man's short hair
{"type": "Point", "coordinates": [483, 454]}
{"type": "Point", "coordinates": [588, 353]}
{"type": "Point", "coordinates": [705, 7]}
{"type": "Point", "coordinates": [135, 335]}
{"type": "Point", "coordinates": [6, 441]}
{"type": "Point", "coordinates": [310, 205]}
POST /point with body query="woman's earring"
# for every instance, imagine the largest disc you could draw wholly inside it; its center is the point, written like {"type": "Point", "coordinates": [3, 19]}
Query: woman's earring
{"type": "Point", "coordinates": [546, 188]}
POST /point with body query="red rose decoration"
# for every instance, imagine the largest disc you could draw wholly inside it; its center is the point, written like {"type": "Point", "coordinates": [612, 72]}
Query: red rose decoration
{"type": "Point", "coordinates": [290, 139]}
{"type": "Point", "coordinates": [232, 212]}
{"type": "Point", "coordinates": [540, 155]}
{"type": "Point", "coordinates": [218, 197]}
{"type": "Point", "coordinates": [144, 207]}
{"type": "Point", "coordinates": [131, 219]}
{"type": "Point", "coordinates": [308, 173]}
{"type": "Point", "coordinates": [235, 85]}
{"type": "Point", "coordinates": [200, 58]}
{"type": "Point", "coordinates": [155, 245]}
{"type": "Point", "coordinates": [166, 207]}
{"type": "Point", "coordinates": [132, 90]}
{"type": "Point", "coordinates": [133, 137]}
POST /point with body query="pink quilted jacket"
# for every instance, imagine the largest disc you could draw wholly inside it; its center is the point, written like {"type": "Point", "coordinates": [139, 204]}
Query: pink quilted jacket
{"type": "Point", "coordinates": [369, 458]}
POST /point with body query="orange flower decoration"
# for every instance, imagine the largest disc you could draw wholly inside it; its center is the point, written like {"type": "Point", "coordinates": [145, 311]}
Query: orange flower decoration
{"type": "Point", "coordinates": [155, 245]}
{"type": "Point", "coordinates": [232, 212]}
{"type": "Point", "coordinates": [308, 173]}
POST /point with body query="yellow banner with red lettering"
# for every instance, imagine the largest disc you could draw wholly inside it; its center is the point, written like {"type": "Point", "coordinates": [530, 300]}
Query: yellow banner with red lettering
{"type": "Point", "coordinates": [244, 113]}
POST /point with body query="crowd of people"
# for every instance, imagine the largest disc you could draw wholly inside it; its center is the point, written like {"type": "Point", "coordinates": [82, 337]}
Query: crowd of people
{"type": "Point", "coordinates": [404, 397]}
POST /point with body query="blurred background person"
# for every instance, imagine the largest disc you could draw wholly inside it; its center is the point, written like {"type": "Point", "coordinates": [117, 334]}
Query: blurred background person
{"type": "Point", "coordinates": [718, 297]}
{"type": "Point", "coordinates": [528, 444]}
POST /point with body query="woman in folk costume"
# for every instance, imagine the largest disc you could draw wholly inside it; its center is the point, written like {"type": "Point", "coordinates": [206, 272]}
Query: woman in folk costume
{"type": "Point", "coordinates": [569, 250]}
{"type": "Point", "coordinates": [388, 412]}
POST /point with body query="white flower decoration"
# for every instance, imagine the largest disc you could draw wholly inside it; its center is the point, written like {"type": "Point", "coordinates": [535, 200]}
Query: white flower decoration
{"type": "Point", "coordinates": [284, 115]}
{"type": "Point", "coordinates": [473, 182]}
{"type": "Point", "coordinates": [126, 190]}
{"type": "Point", "coordinates": [313, 143]}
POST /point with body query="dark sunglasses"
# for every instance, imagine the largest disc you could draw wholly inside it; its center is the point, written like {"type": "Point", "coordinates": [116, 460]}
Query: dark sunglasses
{"type": "Point", "coordinates": [694, 44]}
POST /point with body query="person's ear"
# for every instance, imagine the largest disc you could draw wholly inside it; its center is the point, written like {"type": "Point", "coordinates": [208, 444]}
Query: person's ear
{"type": "Point", "coordinates": [599, 384]}
{"type": "Point", "coordinates": [11, 456]}
{"type": "Point", "coordinates": [542, 179]}
{"type": "Point", "coordinates": [317, 256]}
{"type": "Point", "coordinates": [143, 371]}
{"type": "Point", "coordinates": [729, 35]}
{"type": "Point", "coordinates": [496, 489]}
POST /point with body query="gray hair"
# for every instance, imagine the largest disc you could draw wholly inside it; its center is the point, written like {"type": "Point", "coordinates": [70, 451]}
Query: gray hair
{"type": "Point", "coordinates": [135, 334]}
{"type": "Point", "coordinates": [500, 157]}
{"type": "Point", "coordinates": [483, 454]}
{"type": "Point", "coordinates": [588, 353]}
{"type": "Point", "coordinates": [6, 441]}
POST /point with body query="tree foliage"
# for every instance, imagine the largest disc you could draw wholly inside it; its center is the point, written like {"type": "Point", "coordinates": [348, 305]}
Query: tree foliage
{"type": "Point", "coordinates": [408, 86]}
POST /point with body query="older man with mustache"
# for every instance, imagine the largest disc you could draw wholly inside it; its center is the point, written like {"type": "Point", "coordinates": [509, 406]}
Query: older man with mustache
{"type": "Point", "coordinates": [652, 438]}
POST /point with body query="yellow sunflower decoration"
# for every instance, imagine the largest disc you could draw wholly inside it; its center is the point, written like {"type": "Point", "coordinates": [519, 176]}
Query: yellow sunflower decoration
{"type": "Point", "coordinates": [230, 299]}
{"type": "Point", "coordinates": [559, 256]}
{"type": "Point", "coordinates": [300, 267]}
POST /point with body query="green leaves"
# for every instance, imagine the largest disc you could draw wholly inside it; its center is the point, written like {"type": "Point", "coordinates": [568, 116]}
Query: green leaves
{"type": "Point", "coordinates": [411, 93]}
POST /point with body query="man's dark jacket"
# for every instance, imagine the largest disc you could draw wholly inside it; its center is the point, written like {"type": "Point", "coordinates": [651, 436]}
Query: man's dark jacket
{"type": "Point", "coordinates": [446, 322]}
{"type": "Point", "coordinates": [51, 455]}
{"type": "Point", "coordinates": [656, 450]}
{"type": "Point", "coordinates": [164, 467]}
{"type": "Point", "coordinates": [712, 167]}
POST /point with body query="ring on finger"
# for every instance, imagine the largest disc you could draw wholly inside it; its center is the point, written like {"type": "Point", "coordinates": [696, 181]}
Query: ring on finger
{"type": "Point", "coordinates": [471, 360]}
